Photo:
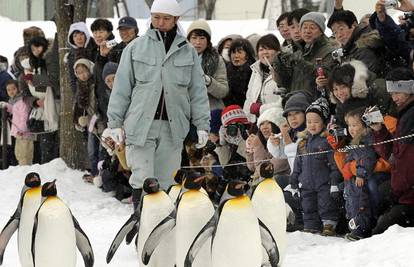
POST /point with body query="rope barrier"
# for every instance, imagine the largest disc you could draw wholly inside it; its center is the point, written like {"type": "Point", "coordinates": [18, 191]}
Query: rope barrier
{"type": "Point", "coordinates": [341, 150]}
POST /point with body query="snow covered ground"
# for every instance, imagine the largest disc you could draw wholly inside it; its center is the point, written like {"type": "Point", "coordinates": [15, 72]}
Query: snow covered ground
{"type": "Point", "coordinates": [101, 216]}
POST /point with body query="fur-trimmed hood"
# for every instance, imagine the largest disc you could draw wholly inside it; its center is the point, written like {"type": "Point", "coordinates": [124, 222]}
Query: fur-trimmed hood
{"type": "Point", "coordinates": [359, 87]}
{"type": "Point", "coordinates": [304, 135]}
{"type": "Point", "coordinates": [364, 37]}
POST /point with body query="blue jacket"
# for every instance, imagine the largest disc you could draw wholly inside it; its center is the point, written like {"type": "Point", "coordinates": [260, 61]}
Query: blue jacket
{"type": "Point", "coordinates": [314, 171]}
{"type": "Point", "coordinates": [365, 157]}
{"type": "Point", "coordinates": [145, 70]}
{"type": "Point", "coordinates": [4, 77]}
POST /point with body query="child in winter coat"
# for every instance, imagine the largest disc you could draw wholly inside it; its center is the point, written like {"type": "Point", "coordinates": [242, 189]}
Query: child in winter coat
{"type": "Point", "coordinates": [20, 109]}
{"type": "Point", "coordinates": [314, 176]}
{"type": "Point", "coordinates": [361, 202]}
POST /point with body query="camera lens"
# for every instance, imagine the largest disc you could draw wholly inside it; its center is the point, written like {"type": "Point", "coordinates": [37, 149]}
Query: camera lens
{"type": "Point", "coordinates": [232, 130]}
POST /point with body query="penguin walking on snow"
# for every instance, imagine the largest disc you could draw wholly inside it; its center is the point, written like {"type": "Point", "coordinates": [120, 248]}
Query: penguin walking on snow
{"type": "Point", "coordinates": [56, 233]}
{"type": "Point", "coordinates": [269, 204]}
{"type": "Point", "coordinates": [237, 234]}
{"type": "Point", "coordinates": [154, 206]}
{"type": "Point", "coordinates": [193, 210]}
{"type": "Point", "coordinates": [23, 219]}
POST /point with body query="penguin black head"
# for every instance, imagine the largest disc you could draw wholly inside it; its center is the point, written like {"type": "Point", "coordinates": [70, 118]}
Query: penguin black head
{"type": "Point", "coordinates": [237, 188]}
{"type": "Point", "coordinates": [49, 189]}
{"type": "Point", "coordinates": [179, 176]}
{"type": "Point", "coordinates": [151, 185]}
{"type": "Point", "coordinates": [193, 180]}
{"type": "Point", "coordinates": [32, 180]}
{"type": "Point", "coordinates": [266, 170]}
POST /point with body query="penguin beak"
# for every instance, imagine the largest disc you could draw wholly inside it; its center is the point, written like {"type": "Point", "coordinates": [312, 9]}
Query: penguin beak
{"type": "Point", "coordinates": [52, 183]}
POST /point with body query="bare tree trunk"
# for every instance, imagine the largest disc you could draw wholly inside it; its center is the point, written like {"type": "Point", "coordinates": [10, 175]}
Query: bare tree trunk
{"type": "Point", "coordinates": [210, 6]}
{"type": "Point", "coordinates": [29, 9]}
{"type": "Point", "coordinates": [275, 9]}
{"type": "Point", "coordinates": [72, 144]}
{"type": "Point", "coordinates": [286, 6]}
{"type": "Point", "coordinates": [201, 11]}
{"type": "Point", "coordinates": [105, 8]}
{"type": "Point", "coordinates": [80, 10]}
{"type": "Point", "coordinates": [149, 3]}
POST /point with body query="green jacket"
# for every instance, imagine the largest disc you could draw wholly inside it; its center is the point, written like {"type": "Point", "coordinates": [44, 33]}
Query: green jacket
{"type": "Point", "coordinates": [145, 70]}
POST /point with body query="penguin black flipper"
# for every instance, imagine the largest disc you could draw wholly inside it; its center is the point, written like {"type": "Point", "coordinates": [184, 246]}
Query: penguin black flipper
{"type": "Point", "coordinates": [8, 231]}
{"type": "Point", "coordinates": [11, 226]}
{"type": "Point", "coordinates": [35, 222]}
{"type": "Point", "coordinates": [130, 227]}
{"type": "Point", "coordinates": [83, 244]}
{"type": "Point", "coordinates": [134, 229]}
{"type": "Point", "coordinates": [156, 235]}
{"type": "Point", "coordinates": [269, 243]}
{"type": "Point", "coordinates": [207, 231]}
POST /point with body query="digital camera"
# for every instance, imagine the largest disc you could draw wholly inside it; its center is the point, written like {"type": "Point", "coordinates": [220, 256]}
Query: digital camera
{"type": "Point", "coordinates": [337, 54]}
{"type": "Point", "coordinates": [338, 132]}
{"type": "Point", "coordinates": [233, 130]}
{"type": "Point", "coordinates": [111, 43]}
{"type": "Point", "coordinates": [372, 115]}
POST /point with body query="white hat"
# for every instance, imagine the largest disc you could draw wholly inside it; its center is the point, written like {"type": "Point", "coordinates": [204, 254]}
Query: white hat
{"type": "Point", "coordinates": [273, 115]}
{"type": "Point", "coordinates": [170, 7]}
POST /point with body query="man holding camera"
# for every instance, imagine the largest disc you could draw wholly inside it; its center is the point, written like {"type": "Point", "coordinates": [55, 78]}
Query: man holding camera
{"type": "Point", "coordinates": [158, 89]}
{"type": "Point", "coordinates": [357, 41]}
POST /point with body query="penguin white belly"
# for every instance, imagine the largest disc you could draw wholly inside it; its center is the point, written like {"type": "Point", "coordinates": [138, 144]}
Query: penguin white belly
{"type": "Point", "coordinates": [270, 207]}
{"type": "Point", "coordinates": [155, 208]}
{"type": "Point", "coordinates": [237, 240]}
{"type": "Point", "coordinates": [55, 242]}
{"type": "Point", "coordinates": [194, 211]}
{"type": "Point", "coordinates": [31, 203]}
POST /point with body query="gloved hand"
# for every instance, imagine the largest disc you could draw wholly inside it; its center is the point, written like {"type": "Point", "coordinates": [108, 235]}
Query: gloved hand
{"type": "Point", "coordinates": [202, 138]}
{"type": "Point", "coordinates": [117, 134]}
{"type": "Point", "coordinates": [255, 109]}
{"type": "Point", "coordinates": [222, 136]}
{"type": "Point", "coordinates": [294, 191]}
{"type": "Point", "coordinates": [207, 80]}
{"type": "Point", "coordinates": [335, 193]}
{"type": "Point", "coordinates": [3, 104]}
{"type": "Point", "coordinates": [100, 165]}
{"type": "Point", "coordinates": [335, 144]}
{"type": "Point", "coordinates": [107, 141]}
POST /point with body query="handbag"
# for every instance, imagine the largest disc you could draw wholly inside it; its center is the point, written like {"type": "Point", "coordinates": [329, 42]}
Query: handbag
{"type": "Point", "coordinates": [35, 123]}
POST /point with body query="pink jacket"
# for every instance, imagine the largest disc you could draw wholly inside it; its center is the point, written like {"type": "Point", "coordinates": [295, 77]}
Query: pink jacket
{"type": "Point", "coordinates": [20, 111]}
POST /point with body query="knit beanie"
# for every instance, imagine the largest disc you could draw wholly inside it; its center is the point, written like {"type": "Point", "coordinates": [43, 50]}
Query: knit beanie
{"type": "Point", "coordinates": [109, 68]}
{"type": "Point", "coordinates": [233, 114]}
{"type": "Point", "coordinates": [86, 62]}
{"type": "Point", "coordinates": [321, 107]}
{"type": "Point", "coordinates": [200, 24]}
{"type": "Point", "coordinates": [297, 102]}
{"type": "Point", "coordinates": [400, 87]}
{"type": "Point", "coordinates": [215, 121]}
{"type": "Point", "coordinates": [315, 17]}
{"type": "Point", "coordinates": [170, 7]}
{"type": "Point", "coordinates": [273, 115]}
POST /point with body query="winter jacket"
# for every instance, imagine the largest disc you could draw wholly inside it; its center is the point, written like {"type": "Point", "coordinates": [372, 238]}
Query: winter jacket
{"type": "Point", "coordinates": [365, 157]}
{"type": "Point", "coordinates": [214, 67]}
{"type": "Point", "coordinates": [362, 46]}
{"type": "Point", "coordinates": [312, 172]}
{"type": "Point", "coordinates": [88, 51]}
{"type": "Point", "coordinates": [20, 110]}
{"type": "Point", "coordinates": [297, 71]}
{"type": "Point", "coordinates": [261, 90]}
{"type": "Point", "coordinates": [144, 72]}
{"type": "Point", "coordinates": [260, 152]}
{"type": "Point", "coordinates": [393, 36]}
{"type": "Point", "coordinates": [366, 91]}
{"type": "Point", "coordinates": [402, 178]}
{"type": "Point", "coordinates": [238, 78]}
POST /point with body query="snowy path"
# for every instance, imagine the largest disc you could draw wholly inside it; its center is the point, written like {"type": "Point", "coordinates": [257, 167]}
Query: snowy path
{"type": "Point", "coordinates": [101, 216]}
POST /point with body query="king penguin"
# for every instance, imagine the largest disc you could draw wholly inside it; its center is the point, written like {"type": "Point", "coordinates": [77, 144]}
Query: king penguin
{"type": "Point", "coordinates": [237, 234]}
{"type": "Point", "coordinates": [270, 207]}
{"type": "Point", "coordinates": [56, 233]}
{"type": "Point", "coordinates": [23, 219]}
{"type": "Point", "coordinates": [193, 210]}
{"type": "Point", "coordinates": [154, 206]}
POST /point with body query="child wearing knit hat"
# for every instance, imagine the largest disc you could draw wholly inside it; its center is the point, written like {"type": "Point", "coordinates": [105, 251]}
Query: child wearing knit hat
{"type": "Point", "coordinates": [314, 176]}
